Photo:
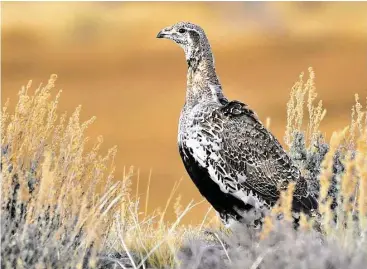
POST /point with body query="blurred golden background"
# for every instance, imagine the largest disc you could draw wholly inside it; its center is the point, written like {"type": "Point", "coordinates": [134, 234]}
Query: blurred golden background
{"type": "Point", "coordinates": [108, 59]}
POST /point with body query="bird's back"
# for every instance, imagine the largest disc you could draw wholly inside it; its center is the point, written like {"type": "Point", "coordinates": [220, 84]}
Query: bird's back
{"type": "Point", "coordinates": [239, 155]}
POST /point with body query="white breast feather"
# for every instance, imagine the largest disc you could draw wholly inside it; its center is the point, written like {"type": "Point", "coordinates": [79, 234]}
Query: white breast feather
{"type": "Point", "coordinates": [198, 151]}
{"type": "Point", "coordinates": [198, 144]}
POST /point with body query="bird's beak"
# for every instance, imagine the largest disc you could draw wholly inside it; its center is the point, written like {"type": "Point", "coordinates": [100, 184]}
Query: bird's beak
{"type": "Point", "coordinates": [164, 33]}
{"type": "Point", "coordinates": [160, 34]}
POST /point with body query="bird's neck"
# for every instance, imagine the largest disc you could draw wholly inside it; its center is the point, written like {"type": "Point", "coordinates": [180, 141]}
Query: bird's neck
{"type": "Point", "coordinates": [202, 81]}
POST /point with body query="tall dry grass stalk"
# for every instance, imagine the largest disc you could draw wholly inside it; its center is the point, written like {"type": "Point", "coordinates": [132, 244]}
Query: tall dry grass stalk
{"type": "Point", "coordinates": [51, 185]}
{"type": "Point", "coordinates": [150, 237]}
{"type": "Point", "coordinates": [295, 110]}
{"type": "Point", "coordinates": [343, 211]}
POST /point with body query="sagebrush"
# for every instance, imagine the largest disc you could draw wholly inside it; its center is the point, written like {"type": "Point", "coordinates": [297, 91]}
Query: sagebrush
{"type": "Point", "coordinates": [62, 207]}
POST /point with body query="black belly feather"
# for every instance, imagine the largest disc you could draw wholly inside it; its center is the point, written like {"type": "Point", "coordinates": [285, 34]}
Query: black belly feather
{"type": "Point", "coordinates": [224, 203]}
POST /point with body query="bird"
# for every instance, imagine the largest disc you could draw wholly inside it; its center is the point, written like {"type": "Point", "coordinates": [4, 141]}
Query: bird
{"type": "Point", "coordinates": [235, 162]}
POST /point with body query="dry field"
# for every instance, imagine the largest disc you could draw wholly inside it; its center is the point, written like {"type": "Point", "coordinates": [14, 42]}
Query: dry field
{"type": "Point", "coordinates": [62, 206]}
{"type": "Point", "coordinates": [69, 198]}
{"type": "Point", "coordinates": [108, 60]}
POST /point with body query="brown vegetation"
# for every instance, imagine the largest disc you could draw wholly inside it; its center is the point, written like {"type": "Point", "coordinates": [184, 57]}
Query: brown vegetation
{"type": "Point", "coordinates": [64, 199]}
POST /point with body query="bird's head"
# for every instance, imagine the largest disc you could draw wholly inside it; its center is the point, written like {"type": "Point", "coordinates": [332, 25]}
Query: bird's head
{"type": "Point", "coordinates": [189, 36]}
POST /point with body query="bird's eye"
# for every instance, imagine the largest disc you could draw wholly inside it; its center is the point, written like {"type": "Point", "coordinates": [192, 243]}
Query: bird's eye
{"type": "Point", "coordinates": [181, 30]}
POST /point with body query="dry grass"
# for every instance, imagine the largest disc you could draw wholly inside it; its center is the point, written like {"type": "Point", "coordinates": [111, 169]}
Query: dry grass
{"type": "Point", "coordinates": [63, 208]}
{"type": "Point", "coordinates": [340, 172]}
{"type": "Point", "coordinates": [50, 184]}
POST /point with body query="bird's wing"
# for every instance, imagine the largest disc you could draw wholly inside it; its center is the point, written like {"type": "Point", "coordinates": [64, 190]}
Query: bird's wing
{"type": "Point", "coordinates": [242, 154]}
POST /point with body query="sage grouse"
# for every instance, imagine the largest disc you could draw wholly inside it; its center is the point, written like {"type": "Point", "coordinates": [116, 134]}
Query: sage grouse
{"type": "Point", "coordinates": [234, 161]}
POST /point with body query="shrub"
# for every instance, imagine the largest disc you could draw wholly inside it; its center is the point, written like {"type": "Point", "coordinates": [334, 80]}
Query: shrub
{"type": "Point", "coordinates": [54, 213]}
{"type": "Point", "coordinates": [61, 206]}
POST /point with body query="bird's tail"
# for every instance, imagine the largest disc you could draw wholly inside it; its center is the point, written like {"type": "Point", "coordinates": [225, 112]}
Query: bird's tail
{"type": "Point", "coordinates": [304, 204]}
